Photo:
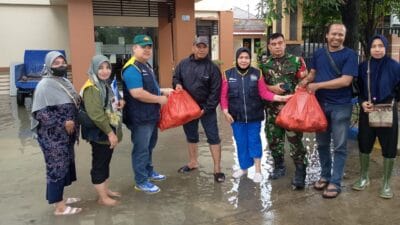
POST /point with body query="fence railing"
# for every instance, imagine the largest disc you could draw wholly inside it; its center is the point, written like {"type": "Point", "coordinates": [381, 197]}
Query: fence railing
{"type": "Point", "coordinates": [314, 38]}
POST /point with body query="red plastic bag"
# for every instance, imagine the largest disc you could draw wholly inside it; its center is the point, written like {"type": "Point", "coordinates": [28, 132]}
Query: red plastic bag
{"type": "Point", "coordinates": [302, 113]}
{"type": "Point", "coordinates": [180, 109]}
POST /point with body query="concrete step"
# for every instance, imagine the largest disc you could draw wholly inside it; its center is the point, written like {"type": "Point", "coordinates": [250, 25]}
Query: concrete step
{"type": "Point", "coordinates": [4, 92]}
{"type": "Point", "coordinates": [4, 84]}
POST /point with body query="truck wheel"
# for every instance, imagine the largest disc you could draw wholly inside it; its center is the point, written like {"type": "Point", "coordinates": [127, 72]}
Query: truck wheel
{"type": "Point", "coordinates": [20, 98]}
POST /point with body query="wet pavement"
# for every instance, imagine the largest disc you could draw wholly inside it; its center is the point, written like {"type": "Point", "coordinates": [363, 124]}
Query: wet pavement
{"type": "Point", "coordinates": [185, 199]}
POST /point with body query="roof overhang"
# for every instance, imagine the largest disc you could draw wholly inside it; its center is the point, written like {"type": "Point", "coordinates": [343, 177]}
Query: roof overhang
{"type": "Point", "coordinates": [58, 2]}
{"type": "Point", "coordinates": [248, 33]}
{"type": "Point", "coordinates": [135, 8]}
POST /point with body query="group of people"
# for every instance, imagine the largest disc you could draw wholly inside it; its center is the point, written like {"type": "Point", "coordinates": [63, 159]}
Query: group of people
{"type": "Point", "coordinates": [332, 72]}
{"type": "Point", "coordinates": [241, 92]}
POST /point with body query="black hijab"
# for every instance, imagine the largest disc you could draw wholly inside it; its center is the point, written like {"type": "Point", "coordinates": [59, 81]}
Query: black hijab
{"type": "Point", "coordinates": [384, 75]}
{"type": "Point", "coordinates": [238, 52]}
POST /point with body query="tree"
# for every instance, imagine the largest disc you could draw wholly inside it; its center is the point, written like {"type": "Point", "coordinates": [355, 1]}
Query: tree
{"type": "Point", "coordinates": [360, 17]}
{"type": "Point", "coordinates": [373, 12]}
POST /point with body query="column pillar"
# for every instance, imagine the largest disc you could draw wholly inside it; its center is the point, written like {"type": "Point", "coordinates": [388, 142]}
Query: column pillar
{"type": "Point", "coordinates": [81, 39]}
{"type": "Point", "coordinates": [184, 27]}
{"type": "Point", "coordinates": [165, 49]}
{"type": "Point", "coordinates": [226, 50]}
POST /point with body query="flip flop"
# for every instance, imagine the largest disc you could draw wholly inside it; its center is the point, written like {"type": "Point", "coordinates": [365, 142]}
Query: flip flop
{"type": "Point", "coordinates": [320, 184]}
{"type": "Point", "coordinates": [72, 200]}
{"type": "Point", "coordinates": [331, 190]}
{"type": "Point", "coordinates": [186, 169]}
{"type": "Point", "coordinates": [68, 211]}
{"type": "Point", "coordinates": [219, 177]}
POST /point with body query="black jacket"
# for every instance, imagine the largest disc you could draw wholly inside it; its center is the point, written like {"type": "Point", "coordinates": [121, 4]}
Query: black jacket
{"type": "Point", "coordinates": [202, 79]}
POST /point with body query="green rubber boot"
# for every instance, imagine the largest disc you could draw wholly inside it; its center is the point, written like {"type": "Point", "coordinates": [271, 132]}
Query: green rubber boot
{"type": "Point", "coordinates": [363, 181]}
{"type": "Point", "coordinates": [386, 191]}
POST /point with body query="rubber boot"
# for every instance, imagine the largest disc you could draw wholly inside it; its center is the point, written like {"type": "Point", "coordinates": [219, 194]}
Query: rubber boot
{"type": "Point", "coordinates": [363, 181]}
{"type": "Point", "coordinates": [386, 191]}
{"type": "Point", "coordinates": [299, 178]}
{"type": "Point", "coordinates": [279, 168]}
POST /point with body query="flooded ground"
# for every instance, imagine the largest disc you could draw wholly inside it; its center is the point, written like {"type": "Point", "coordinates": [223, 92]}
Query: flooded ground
{"type": "Point", "coordinates": [185, 199]}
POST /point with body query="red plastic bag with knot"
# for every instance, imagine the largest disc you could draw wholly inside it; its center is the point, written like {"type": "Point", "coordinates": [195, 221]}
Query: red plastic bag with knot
{"type": "Point", "coordinates": [180, 109]}
{"type": "Point", "coordinates": [302, 113]}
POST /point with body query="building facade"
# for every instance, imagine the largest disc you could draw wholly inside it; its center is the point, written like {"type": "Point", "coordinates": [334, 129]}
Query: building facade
{"type": "Point", "coordinates": [85, 27]}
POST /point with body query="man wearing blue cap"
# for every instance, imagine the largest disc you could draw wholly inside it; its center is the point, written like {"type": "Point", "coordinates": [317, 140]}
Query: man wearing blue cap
{"type": "Point", "coordinates": [141, 114]}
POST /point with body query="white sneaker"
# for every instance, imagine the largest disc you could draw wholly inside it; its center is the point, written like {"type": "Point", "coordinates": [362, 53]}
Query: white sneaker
{"type": "Point", "coordinates": [257, 178]}
{"type": "Point", "coordinates": [238, 173]}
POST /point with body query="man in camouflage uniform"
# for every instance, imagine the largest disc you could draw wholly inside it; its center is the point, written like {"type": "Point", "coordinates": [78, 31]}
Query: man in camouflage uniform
{"type": "Point", "coordinates": [282, 72]}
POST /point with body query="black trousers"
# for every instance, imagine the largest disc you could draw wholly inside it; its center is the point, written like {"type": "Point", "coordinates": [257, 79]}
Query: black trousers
{"type": "Point", "coordinates": [101, 157]}
{"type": "Point", "coordinates": [387, 136]}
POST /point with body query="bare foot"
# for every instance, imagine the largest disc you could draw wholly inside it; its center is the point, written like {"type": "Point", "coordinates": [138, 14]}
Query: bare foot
{"type": "Point", "coordinates": [108, 202]}
{"type": "Point", "coordinates": [113, 194]}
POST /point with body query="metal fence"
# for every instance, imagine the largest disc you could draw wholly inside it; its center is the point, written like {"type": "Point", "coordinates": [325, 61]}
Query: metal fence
{"type": "Point", "coordinates": [314, 38]}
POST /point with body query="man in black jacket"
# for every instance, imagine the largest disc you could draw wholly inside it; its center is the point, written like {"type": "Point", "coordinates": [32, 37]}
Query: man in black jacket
{"type": "Point", "coordinates": [199, 76]}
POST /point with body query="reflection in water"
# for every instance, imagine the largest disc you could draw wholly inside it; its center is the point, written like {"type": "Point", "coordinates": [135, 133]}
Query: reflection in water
{"type": "Point", "coordinates": [14, 116]}
{"type": "Point", "coordinates": [241, 191]}
{"type": "Point", "coordinates": [265, 188]}
{"type": "Point", "coordinates": [313, 167]}
{"type": "Point", "coordinates": [6, 112]}
{"type": "Point", "coordinates": [25, 134]}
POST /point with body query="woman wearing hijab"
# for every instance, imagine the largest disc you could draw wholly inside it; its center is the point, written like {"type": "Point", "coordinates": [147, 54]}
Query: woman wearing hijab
{"type": "Point", "coordinates": [103, 108]}
{"type": "Point", "coordinates": [384, 75]}
{"type": "Point", "coordinates": [54, 112]}
{"type": "Point", "coordinates": [241, 101]}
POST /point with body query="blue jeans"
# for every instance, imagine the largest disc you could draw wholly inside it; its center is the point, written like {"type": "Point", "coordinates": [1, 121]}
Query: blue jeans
{"type": "Point", "coordinates": [144, 139]}
{"type": "Point", "coordinates": [338, 117]}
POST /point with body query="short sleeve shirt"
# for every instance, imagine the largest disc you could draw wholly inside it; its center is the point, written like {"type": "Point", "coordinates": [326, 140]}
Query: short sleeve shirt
{"type": "Point", "coordinates": [347, 63]}
{"type": "Point", "coordinates": [134, 80]}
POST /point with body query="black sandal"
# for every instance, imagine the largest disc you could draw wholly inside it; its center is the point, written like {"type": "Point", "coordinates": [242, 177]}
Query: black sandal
{"type": "Point", "coordinates": [331, 190]}
{"type": "Point", "coordinates": [186, 169]}
{"type": "Point", "coordinates": [219, 177]}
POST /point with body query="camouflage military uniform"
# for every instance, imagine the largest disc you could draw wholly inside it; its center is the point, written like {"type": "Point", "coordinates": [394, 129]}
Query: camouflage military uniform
{"type": "Point", "coordinates": [287, 70]}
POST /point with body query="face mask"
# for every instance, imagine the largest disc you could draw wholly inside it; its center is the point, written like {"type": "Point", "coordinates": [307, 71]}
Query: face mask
{"type": "Point", "coordinates": [59, 71]}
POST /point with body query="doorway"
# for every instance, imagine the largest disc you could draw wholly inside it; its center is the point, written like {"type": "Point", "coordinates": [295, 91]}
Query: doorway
{"type": "Point", "coordinates": [116, 43]}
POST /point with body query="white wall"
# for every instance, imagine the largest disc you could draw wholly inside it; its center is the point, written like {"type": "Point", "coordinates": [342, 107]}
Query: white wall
{"type": "Point", "coordinates": [26, 2]}
{"type": "Point", "coordinates": [213, 5]}
{"type": "Point", "coordinates": [31, 27]}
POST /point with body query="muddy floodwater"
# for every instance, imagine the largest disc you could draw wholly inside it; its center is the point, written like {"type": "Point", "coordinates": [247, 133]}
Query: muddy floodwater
{"type": "Point", "coordinates": [185, 199]}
